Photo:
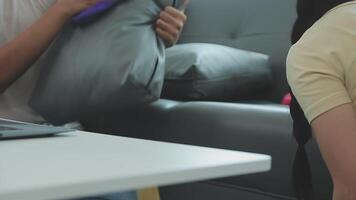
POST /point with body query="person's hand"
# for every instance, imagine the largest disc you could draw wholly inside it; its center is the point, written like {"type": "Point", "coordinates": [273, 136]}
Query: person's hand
{"type": "Point", "coordinates": [170, 24]}
{"type": "Point", "coordinates": [72, 7]}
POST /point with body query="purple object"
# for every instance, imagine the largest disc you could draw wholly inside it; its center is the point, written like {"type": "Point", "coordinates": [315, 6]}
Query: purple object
{"type": "Point", "coordinates": [90, 13]}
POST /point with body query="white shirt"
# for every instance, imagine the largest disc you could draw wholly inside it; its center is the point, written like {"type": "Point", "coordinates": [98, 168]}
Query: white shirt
{"type": "Point", "coordinates": [15, 17]}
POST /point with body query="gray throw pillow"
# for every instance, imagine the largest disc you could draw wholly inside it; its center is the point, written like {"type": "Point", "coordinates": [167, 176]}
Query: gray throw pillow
{"type": "Point", "coordinates": [199, 71]}
{"type": "Point", "coordinates": [115, 62]}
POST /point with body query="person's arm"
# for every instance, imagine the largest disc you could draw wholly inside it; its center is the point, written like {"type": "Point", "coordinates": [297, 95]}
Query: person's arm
{"type": "Point", "coordinates": [335, 132]}
{"type": "Point", "coordinates": [170, 24]}
{"type": "Point", "coordinates": [318, 70]}
{"type": "Point", "coordinates": [19, 54]}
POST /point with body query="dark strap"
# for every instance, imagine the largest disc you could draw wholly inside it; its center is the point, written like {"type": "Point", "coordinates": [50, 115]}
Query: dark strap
{"type": "Point", "coordinates": [302, 178]}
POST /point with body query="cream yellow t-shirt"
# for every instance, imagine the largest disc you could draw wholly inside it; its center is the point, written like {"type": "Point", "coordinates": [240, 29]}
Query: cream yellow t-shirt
{"type": "Point", "coordinates": [321, 66]}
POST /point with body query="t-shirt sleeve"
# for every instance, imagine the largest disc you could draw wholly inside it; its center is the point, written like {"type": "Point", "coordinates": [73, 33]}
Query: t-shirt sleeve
{"type": "Point", "coordinates": [316, 73]}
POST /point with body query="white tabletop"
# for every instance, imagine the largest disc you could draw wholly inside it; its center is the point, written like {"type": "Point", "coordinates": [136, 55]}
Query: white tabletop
{"type": "Point", "coordinates": [82, 164]}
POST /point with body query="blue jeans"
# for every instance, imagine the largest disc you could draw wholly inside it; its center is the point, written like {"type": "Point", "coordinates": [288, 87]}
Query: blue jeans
{"type": "Point", "coordinates": [114, 196]}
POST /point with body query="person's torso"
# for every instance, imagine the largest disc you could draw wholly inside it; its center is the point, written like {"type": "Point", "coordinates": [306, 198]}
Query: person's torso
{"type": "Point", "coordinates": [345, 16]}
{"type": "Point", "coordinates": [15, 17]}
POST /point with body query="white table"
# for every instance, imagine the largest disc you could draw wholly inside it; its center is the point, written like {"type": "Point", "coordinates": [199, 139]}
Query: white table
{"type": "Point", "coordinates": [82, 164]}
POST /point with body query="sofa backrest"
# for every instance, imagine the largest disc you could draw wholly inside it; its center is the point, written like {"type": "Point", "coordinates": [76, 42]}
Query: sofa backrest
{"type": "Point", "coordinates": [258, 25]}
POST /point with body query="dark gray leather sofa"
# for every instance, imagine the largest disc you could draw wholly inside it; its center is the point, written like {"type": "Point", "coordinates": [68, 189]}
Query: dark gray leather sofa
{"type": "Point", "coordinates": [260, 125]}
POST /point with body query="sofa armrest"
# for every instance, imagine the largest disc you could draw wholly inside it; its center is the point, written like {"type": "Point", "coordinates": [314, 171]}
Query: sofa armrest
{"type": "Point", "coordinates": [253, 128]}
{"type": "Point", "coordinates": [257, 128]}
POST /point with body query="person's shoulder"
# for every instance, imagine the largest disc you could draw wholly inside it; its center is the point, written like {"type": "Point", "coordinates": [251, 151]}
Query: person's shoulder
{"type": "Point", "coordinates": [336, 29]}
{"type": "Point", "coordinates": [348, 6]}
{"type": "Point", "coordinates": [342, 16]}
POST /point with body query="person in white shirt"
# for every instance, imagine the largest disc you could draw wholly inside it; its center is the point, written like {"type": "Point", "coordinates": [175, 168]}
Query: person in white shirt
{"type": "Point", "coordinates": [27, 29]}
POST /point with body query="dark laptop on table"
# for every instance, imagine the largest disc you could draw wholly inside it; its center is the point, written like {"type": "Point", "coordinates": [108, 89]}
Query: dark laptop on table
{"type": "Point", "coordinates": [15, 129]}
